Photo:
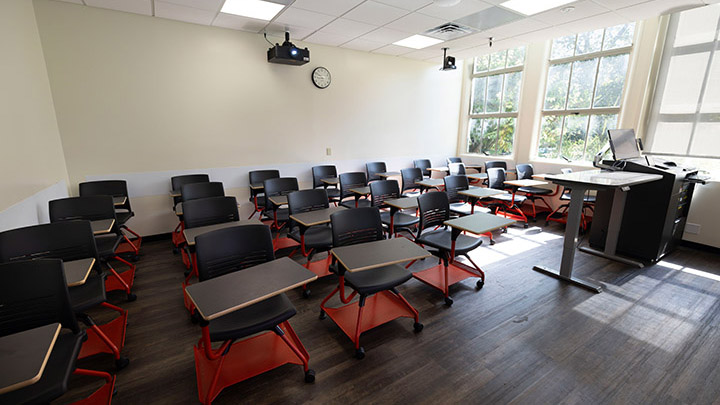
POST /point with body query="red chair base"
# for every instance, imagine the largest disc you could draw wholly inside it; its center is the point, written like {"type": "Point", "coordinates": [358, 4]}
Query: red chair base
{"type": "Point", "coordinates": [284, 243]}
{"type": "Point", "coordinates": [442, 277]}
{"type": "Point", "coordinates": [130, 246]}
{"type": "Point", "coordinates": [177, 236]}
{"type": "Point", "coordinates": [245, 359]}
{"type": "Point", "coordinates": [379, 308]}
{"type": "Point", "coordinates": [104, 394]}
{"type": "Point", "coordinates": [113, 331]}
{"type": "Point", "coordinates": [121, 281]}
{"type": "Point", "coordinates": [321, 267]}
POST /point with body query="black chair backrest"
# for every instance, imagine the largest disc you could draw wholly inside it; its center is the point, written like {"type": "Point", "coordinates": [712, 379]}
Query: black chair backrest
{"type": "Point", "coordinates": [409, 177]}
{"type": "Point", "coordinates": [372, 168]}
{"type": "Point", "coordinates": [496, 178]}
{"type": "Point", "coordinates": [351, 180]}
{"type": "Point", "coordinates": [524, 171]}
{"type": "Point", "coordinates": [456, 169]}
{"type": "Point", "coordinates": [322, 172]}
{"type": "Point", "coordinates": [424, 165]}
{"type": "Point", "coordinates": [178, 181]}
{"type": "Point", "coordinates": [306, 200]}
{"type": "Point", "coordinates": [434, 210]}
{"type": "Point", "coordinates": [258, 176]}
{"type": "Point", "coordinates": [34, 293]}
{"type": "Point", "coordinates": [210, 211]}
{"type": "Point", "coordinates": [115, 188]}
{"type": "Point", "coordinates": [231, 249]}
{"type": "Point", "coordinates": [495, 163]}
{"type": "Point", "coordinates": [91, 208]}
{"type": "Point", "coordinates": [193, 191]}
{"type": "Point", "coordinates": [66, 240]}
{"type": "Point", "coordinates": [454, 159]}
{"type": "Point", "coordinates": [359, 225]}
{"type": "Point", "coordinates": [382, 190]}
{"type": "Point", "coordinates": [453, 184]}
{"type": "Point", "coordinates": [280, 186]}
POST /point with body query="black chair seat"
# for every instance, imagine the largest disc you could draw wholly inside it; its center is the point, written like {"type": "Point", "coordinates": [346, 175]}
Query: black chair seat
{"type": "Point", "coordinates": [107, 244]}
{"type": "Point", "coordinates": [362, 203]}
{"type": "Point", "coordinates": [88, 295]}
{"type": "Point", "coordinates": [368, 282]}
{"type": "Point", "coordinates": [535, 190]}
{"type": "Point", "coordinates": [54, 381]}
{"type": "Point", "coordinates": [519, 199]}
{"type": "Point", "coordinates": [333, 193]}
{"type": "Point", "coordinates": [461, 208]}
{"type": "Point", "coordinates": [316, 237]}
{"type": "Point", "coordinates": [586, 198]}
{"type": "Point", "coordinates": [283, 214]}
{"type": "Point", "coordinates": [442, 240]}
{"type": "Point", "coordinates": [122, 217]}
{"type": "Point", "coordinates": [264, 315]}
{"type": "Point", "coordinates": [401, 219]}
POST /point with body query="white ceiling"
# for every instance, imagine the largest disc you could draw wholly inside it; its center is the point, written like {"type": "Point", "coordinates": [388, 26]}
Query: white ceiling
{"type": "Point", "coordinates": [373, 25]}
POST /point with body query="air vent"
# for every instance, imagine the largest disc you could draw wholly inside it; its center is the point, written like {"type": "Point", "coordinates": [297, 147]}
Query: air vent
{"type": "Point", "coordinates": [449, 31]}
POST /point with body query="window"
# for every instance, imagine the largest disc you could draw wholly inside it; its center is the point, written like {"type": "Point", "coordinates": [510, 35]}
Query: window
{"type": "Point", "coordinates": [494, 102]}
{"type": "Point", "coordinates": [583, 92]}
{"type": "Point", "coordinates": [685, 116]}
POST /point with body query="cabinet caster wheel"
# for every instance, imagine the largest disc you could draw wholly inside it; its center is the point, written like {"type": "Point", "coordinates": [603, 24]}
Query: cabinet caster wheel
{"type": "Point", "coordinates": [131, 297]}
{"type": "Point", "coordinates": [323, 315]}
{"type": "Point", "coordinates": [306, 293]}
{"type": "Point", "coordinates": [417, 326]}
{"type": "Point", "coordinates": [448, 301]}
{"type": "Point", "coordinates": [121, 363]}
{"type": "Point", "coordinates": [310, 376]}
{"type": "Point", "coordinates": [479, 285]}
{"type": "Point", "coordinates": [360, 353]}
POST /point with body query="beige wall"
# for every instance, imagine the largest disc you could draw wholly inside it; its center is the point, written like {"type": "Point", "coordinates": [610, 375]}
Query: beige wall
{"type": "Point", "coordinates": [31, 157]}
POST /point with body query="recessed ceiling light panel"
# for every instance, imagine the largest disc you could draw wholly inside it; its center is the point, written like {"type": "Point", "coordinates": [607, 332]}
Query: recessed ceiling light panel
{"type": "Point", "coordinates": [258, 9]}
{"type": "Point", "coordinates": [418, 42]}
{"type": "Point", "coordinates": [530, 7]}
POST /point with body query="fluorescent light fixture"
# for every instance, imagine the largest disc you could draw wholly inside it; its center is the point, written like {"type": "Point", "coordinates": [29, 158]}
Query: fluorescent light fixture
{"type": "Point", "coordinates": [258, 9]}
{"type": "Point", "coordinates": [417, 42]}
{"type": "Point", "coordinates": [530, 7]}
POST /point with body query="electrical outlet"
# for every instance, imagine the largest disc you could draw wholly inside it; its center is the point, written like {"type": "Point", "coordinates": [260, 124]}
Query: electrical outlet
{"type": "Point", "coordinates": [328, 151]}
{"type": "Point", "coordinates": [693, 229]}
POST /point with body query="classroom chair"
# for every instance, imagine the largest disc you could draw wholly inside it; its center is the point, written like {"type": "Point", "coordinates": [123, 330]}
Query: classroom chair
{"type": "Point", "coordinates": [447, 245]}
{"type": "Point", "coordinates": [560, 213]}
{"type": "Point", "coordinates": [453, 159]}
{"type": "Point", "coordinates": [456, 169]}
{"type": "Point", "coordinates": [254, 339]}
{"type": "Point", "coordinates": [195, 191]}
{"type": "Point", "coordinates": [409, 179]}
{"type": "Point", "coordinates": [525, 171]}
{"type": "Point", "coordinates": [383, 190]}
{"type": "Point", "coordinates": [424, 165]}
{"type": "Point", "coordinates": [176, 183]}
{"type": "Point", "coordinates": [349, 181]}
{"type": "Point", "coordinates": [458, 203]}
{"type": "Point", "coordinates": [123, 212]}
{"type": "Point", "coordinates": [313, 239]}
{"type": "Point", "coordinates": [92, 208]}
{"type": "Point", "coordinates": [376, 285]}
{"type": "Point", "coordinates": [281, 186]}
{"type": "Point", "coordinates": [257, 196]}
{"type": "Point", "coordinates": [325, 172]}
{"type": "Point", "coordinates": [73, 240]}
{"type": "Point", "coordinates": [508, 204]}
{"type": "Point", "coordinates": [373, 168]}
{"type": "Point", "coordinates": [34, 294]}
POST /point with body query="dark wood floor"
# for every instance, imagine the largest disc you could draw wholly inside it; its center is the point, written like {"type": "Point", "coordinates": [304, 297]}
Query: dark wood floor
{"type": "Point", "coordinates": [652, 336]}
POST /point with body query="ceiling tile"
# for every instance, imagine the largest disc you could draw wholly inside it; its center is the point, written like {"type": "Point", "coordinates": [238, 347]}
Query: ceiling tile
{"type": "Point", "coordinates": [656, 8]}
{"type": "Point", "coordinates": [326, 38]}
{"type": "Point", "coordinates": [237, 22]}
{"type": "Point", "coordinates": [424, 54]}
{"type": "Point", "coordinates": [360, 44]}
{"type": "Point", "coordinates": [385, 35]}
{"type": "Point", "coordinates": [182, 13]}
{"type": "Point", "coordinates": [469, 41]}
{"type": "Point", "coordinates": [210, 5]}
{"type": "Point", "coordinates": [415, 23]}
{"type": "Point", "coordinates": [582, 9]}
{"type": "Point", "coordinates": [130, 6]}
{"type": "Point", "coordinates": [515, 28]}
{"type": "Point", "coordinates": [276, 32]}
{"type": "Point", "coordinates": [615, 4]}
{"type": "Point", "coordinates": [410, 5]}
{"type": "Point", "coordinates": [393, 50]}
{"type": "Point", "coordinates": [465, 7]}
{"type": "Point", "coordinates": [604, 20]}
{"type": "Point", "coordinates": [331, 7]}
{"type": "Point", "coordinates": [542, 35]}
{"type": "Point", "coordinates": [375, 13]}
{"type": "Point", "coordinates": [489, 18]}
{"type": "Point", "coordinates": [347, 27]}
{"type": "Point", "coordinates": [303, 18]}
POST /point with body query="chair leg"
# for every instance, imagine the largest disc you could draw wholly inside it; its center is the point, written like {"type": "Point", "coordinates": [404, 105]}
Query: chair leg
{"type": "Point", "coordinates": [101, 396]}
{"type": "Point", "coordinates": [359, 351]}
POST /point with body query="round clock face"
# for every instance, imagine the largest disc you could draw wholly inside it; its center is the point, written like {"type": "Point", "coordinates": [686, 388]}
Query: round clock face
{"type": "Point", "coordinates": [321, 77]}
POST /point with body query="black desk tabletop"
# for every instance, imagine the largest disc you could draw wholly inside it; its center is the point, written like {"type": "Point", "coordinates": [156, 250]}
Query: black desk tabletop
{"type": "Point", "coordinates": [77, 271]}
{"type": "Point", "coordinates": [331, 181]}
{"type": "Point", "coordinates": [479, 223]}
{"type": "Point", "coordinates": [24, 356]}
{"type": "Point", "coordinates": [361, 190]}
{"type": "Point", "coordinates": [403, 203]}
{"type": "Point", "coordinates": [316, 217]}
{"type": "Point", "coordinates": [102, 226]}
{"type": "Point", "coordinates": [119, 200]}
{"type": "Point", "coordinates": [481, 192]}
{"type": "Point", "coordinates": [366, 256]}
{"type": "Point", "coordinates": [192, 233]}
{"type": "Point", "coordinates": [225, 294]}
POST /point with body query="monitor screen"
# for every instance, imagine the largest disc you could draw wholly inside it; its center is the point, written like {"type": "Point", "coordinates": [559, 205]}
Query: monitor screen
{"type": "Point", "coordinates": [623, 144]}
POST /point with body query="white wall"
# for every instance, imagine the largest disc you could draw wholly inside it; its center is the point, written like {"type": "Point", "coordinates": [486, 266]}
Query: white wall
{"type": "Point", "coordinates": [145, 98]}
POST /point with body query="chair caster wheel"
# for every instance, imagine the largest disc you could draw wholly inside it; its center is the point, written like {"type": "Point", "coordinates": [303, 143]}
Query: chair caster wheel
{"type": "Point", "coordinates": [115, 391]}
{"type": "Point", "coordinates": [121, 363]}
{"type": "Point", "coordinates": [547, 223]}
{"type": "Point", "coordinates": [526, 225]}
{"type": "Point", "coordinates": [176, 250]}
{"type": "Point", "coordinates": [310, 376]}
{"type": "Point", "coordinates": [504, 230]}
{"type": "Point", "coordinates": [186, 273]}
{"type": "Point", "coordinates": [492, 242]}
{"type": "Point", "coordinates": [131, 297]}
{"type": "Point", "coordinates": [323, 315]}
{"type": "Point", "coordinates": [360, 353]}
{"type": "Point", "coordinates": [135, 258]}
{"type": "Point", "coordinates": [306, 293]}
{"type": "Point", "coordinates": [448, 301]}
{"type": "Point", "coordinates": [479, 285]}
{"type": "Point", "coordinates": [417, 326]}
{"type": "Point", "coordinates": [195, 317]}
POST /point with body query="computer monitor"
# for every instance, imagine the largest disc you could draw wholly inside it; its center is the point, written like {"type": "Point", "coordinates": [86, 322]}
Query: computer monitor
{"type": "Point", "coordinates": [623, 144]}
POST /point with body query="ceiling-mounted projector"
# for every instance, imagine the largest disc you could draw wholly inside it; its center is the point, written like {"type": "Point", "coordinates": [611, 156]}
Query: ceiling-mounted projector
{"type": "Point", "coordinates": [288, 54]}
{"type": "Point", "coordinates": [448, 61]}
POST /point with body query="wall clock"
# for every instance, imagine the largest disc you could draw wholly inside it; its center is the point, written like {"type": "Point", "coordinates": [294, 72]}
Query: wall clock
{"type": "Point", "coordinates": [321, 77]}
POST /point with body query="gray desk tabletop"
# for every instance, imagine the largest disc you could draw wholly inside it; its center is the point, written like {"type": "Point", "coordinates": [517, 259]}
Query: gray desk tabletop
{"type": "Point", "coordinates": [526, 183]}
{"type": "Point", "coordinates": [225, 294]}
{"type": "Point", "coordinates": [388, 174]}
{"type": "Point", "coordinates": [602, 180]}
{"type": "Point", "coordinates": [77, 271]}
{"type": "Point", "coordinates": [403, 203]}
{"type": "Point", "coordinates": [541, 176]}
{"type": "Point", "coordinates": [102, 226]}
{"type": "Point", "coordinates": [480, 192]}
{"type": "Point", "coordinates": [331, 181]}
{"type": "Point", "coordinates": [178, 209]}
{"type": "Point", "coordinates": [175, 193]}
{"type": "Point", "coordinates": [431, 183]}
{"type": "Point", "coordinates": [361, 190]}
{"type": "Point", "coordinates": [477, 176]}
{"type": "Point", "coordinates": [278, 199]}
{"type": "Point", "coordinates": [257, 186]}
{"type": "Point", "coordinates": [316, 217]}
{"type": "Point", "coordinates": [24, 356]}
{"type": "Point", "coordinates": [119, 200]}
{"type": "Point", "coordinates": [192, 233]}
{"type": "Point", "coordinates": [366, 256]}
{"type": "Point", "coordinates": [479, 223]}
